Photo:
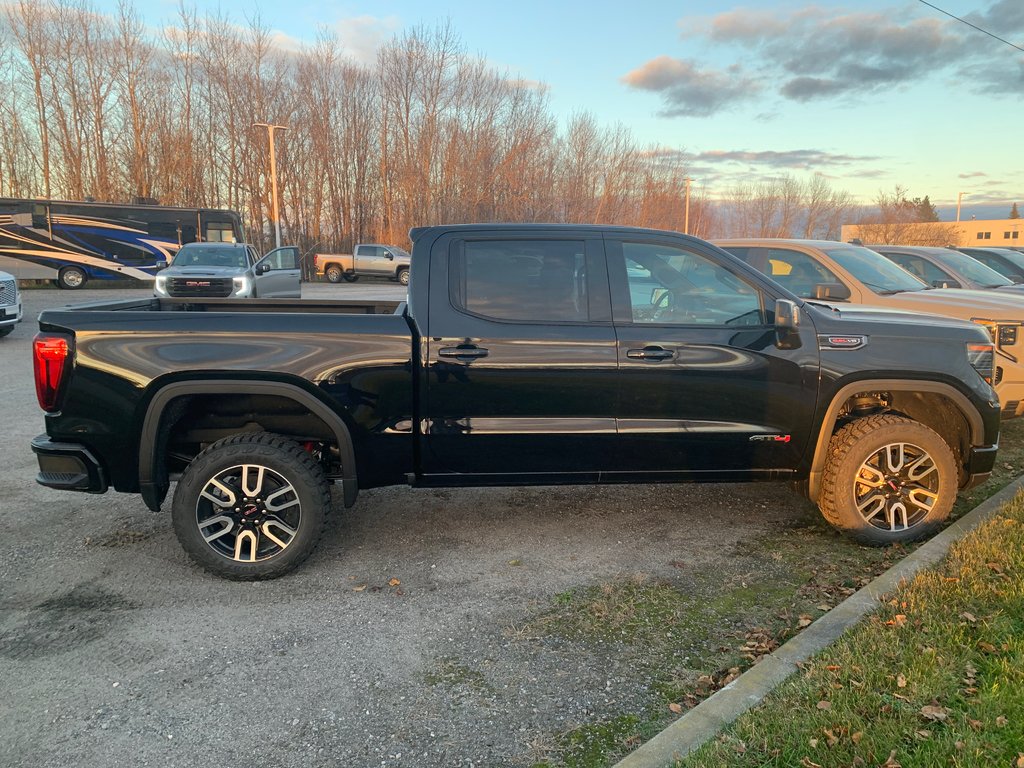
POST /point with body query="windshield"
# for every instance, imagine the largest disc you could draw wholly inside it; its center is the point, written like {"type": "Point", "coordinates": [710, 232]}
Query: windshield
{"type": "Point", "coordinates": [874, 270]}
{"type": "Point", "coordinates": [973, 270]}
{"type": "Point", "coordinates": [204, 256]}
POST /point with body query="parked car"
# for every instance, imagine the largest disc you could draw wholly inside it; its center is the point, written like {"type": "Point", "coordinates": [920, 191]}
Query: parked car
{"type": "Point", "coordinates": [10, 303]}
{"type": "Point", "coordinates": [230, 270]}
{"type": "Point", "coordinates": [845, 273]}
{"type": "Point", "coordinates": [1006, 261]}
{"type": "Point", "coordinates": [946, 268]}
{"type": "Point", "coordinates": [368, 259]}
{"type": "Point", "coordinates": [527, 354]}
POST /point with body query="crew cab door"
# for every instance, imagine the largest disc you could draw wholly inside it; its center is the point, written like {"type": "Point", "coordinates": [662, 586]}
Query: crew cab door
{"type": "Point", "coordinates": [373, 260]}
{"type": "Point", "coordinates": [277, 274]}
{"type": "Point", "coordinates": [704, 388]}
{"type": "Point", "coordinates": [520, 357]}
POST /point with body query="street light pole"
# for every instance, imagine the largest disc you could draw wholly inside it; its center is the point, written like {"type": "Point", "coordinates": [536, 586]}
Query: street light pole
{"type": "Point", "coordinates": [959, 197]}
{"type": "Point", "coordinates": [273, 176]}
{"type": "Point", "coordinates": [686, 208]}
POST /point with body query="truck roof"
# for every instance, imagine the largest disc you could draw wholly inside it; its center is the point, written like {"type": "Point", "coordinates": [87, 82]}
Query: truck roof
{"type": "Point", "coordinates": [417, 232]}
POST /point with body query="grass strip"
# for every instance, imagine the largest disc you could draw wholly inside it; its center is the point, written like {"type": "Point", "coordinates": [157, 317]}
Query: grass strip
{"type": "Point", "coordinates": [935, 678]}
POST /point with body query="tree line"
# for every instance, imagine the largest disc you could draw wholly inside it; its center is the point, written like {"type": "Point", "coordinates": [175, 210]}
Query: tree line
{"type": "Point", "coordinates": [100, 107]}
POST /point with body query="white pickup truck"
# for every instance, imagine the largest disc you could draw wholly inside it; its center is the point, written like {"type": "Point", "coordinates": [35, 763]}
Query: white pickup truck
{"type": "Point", "coordinates": [370, 259]}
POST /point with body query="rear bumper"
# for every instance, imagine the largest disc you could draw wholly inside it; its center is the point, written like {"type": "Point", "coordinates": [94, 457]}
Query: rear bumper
{"type": "Point", "coordinates": [68, 466]}
{"type": "Point", "coordinates": [980, 463]}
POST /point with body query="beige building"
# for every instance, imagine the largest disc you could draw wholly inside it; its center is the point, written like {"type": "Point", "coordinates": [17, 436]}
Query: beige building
{"type": "Point", "coordinates": [999, 233]}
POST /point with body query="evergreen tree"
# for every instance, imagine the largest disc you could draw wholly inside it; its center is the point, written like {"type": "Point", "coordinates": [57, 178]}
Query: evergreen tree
{"type": "Point", "coordinates": [1014, 213]}
{"type": "Point", "coordinates": [925, 210]}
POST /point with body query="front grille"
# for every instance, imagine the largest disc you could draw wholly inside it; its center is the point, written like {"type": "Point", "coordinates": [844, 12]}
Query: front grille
{"type": "Point", "coordinates": [216, 287]}
{"type": "Point", "coordinates": [8, 292]}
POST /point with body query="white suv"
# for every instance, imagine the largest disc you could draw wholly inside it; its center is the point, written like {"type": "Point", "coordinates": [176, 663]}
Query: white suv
{"type": "Point", "coordinates": [10, 304]}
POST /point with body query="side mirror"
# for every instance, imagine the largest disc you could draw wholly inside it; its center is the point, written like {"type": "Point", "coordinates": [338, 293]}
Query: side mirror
{"type": "Point", "coordinates": [390, 255]}
{"type": "Point", "coordinates": [787, 324]}
{"type": "Point", "coordinates": [262, 268]}
{"type": "Point", "coordinates": [831, 291]}
{"type": "Point", "coordinates": [947, 283]}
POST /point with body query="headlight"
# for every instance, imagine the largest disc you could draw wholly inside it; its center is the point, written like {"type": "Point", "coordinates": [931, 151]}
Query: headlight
{"type": "Point", "coordinates": [982, 359]}
{"type": "Point", "coordinates": [241, 285]}
{"type": "Point", "coordinates": [161, 285]}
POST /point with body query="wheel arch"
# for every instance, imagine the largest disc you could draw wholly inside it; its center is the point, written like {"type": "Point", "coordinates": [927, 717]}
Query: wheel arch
{"type": "Point", "coordinates": [153, 434]}
{"type": "Point", "coordinates": [916, 398]}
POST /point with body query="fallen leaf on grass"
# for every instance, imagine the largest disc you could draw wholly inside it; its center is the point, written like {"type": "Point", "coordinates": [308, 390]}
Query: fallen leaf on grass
{"type": "Point", "coordinates": [1001, 721]}
{"type": "Point", "coordinates": [934, 713]}
{"type": "Point", "coordinates": [856, 737]}
{"type": "Point", "coordinates": [830, 738]}
{"type": "Point", "coordinates": [1020, 760]}
{"type": "Point", "coordinates": [824, 705]}
{"type": "Point", "coordinates": [899, 620]}
{"type": "Point", "coordinates": [975, 724]}
{"type": "Point", "coordinates": [923, 734]}
{"type": "Point", "coordinates": [806, 762]}
{"type": "Point", "coordinates": [677, 708]}
{"type": "Point", "coordinates": [969, 616]}
{"type": "Point", "coordinates": [901, 681]}
{"type": "Point", "coordinates": [891, 761]}
{"type": "Point", "coordinates": [987, 647]}
{"type": "Point", "coordinates": [804, 621]}
{"type": "Point", "coordinates": [813, 743]}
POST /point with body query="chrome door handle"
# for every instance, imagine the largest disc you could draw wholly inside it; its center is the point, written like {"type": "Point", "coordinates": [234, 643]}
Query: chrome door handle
{"type": "Point", "coordinates": [463, 352]}
{"type": "Point", "coordinates": [650, 353]}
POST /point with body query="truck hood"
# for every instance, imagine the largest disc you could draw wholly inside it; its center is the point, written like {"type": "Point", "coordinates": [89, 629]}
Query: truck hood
{"type": "Point", "coordinates": [860, 319]}
{"type": "Point", "coordinates": [200, 271]}
{"type": "Point", "coordinates": [965, 304]}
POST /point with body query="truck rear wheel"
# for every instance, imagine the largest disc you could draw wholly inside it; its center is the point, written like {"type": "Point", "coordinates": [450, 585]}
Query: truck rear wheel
{"type": "Point", "coordinates": [888, 479]}
{"type": "Point", "coordinates": [333, 273]}
{"type": "Point", "coordinates": [251, 506]}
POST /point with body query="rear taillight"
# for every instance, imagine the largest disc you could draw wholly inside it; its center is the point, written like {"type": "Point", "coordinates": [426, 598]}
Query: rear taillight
{"type": "Point", "coordinates": [51, 357]}
{"type": "Point", "coordinates": [982, 359]}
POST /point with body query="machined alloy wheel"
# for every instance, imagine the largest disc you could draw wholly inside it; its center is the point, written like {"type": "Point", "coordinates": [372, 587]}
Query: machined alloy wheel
{"type": "Point", "coordinates": [333, 273]}
{"type": "Point", "coordinates": [897, 486]}
{"type": "Point", "coordinates": [251, 506]}
{"type": "Point", "coordinates": [403, 276]}
{"type": "Point", "coordinates": [887, 479]}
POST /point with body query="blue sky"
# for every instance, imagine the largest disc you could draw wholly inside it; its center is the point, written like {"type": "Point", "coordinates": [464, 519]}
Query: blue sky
{"type": "Point", "coordinates": [869, 93]}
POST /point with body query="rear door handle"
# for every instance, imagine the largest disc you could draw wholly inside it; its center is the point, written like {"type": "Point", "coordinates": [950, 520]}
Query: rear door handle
{"type": "Point", "coordinates": [650, 353]}
{"type": "Point", "coordinates": [462, 352]}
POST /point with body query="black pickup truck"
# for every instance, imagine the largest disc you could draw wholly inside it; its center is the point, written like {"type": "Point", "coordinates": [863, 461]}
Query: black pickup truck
{"type": "Point", "coordinates": [527, 354]}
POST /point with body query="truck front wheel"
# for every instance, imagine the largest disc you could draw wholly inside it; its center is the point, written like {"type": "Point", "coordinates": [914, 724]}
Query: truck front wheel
{"type": "Point", "coordinates": [403, 276]}
{"type": "Point", "coordinates": [887, 479]}
{"type": "Point", "coordinates": [251, 506]}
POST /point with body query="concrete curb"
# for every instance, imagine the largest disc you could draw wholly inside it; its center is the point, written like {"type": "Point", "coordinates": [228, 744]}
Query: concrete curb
{"type": "Point", "coordinates": [704, 721]}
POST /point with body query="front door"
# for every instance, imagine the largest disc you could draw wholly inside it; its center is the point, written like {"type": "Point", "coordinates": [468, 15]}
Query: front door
{"type": "Point", "coordinates": [520, 358]}
{"type": "Point", "coordinates": [281, 280]}
{"type": "Point", "coordinates": [704, 388]}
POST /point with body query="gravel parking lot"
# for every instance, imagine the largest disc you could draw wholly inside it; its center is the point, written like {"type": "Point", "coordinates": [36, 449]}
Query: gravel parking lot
{"type": "Point", "coordinates": [410, 638]}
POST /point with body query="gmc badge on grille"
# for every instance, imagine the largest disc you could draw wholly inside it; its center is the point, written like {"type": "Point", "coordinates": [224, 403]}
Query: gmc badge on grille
{"type": "Point", "coordinates": [197, 283]}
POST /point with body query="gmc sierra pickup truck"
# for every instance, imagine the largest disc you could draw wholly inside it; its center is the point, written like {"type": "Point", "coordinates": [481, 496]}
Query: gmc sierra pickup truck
{"type": "Point", "coordinates": [527, 354]}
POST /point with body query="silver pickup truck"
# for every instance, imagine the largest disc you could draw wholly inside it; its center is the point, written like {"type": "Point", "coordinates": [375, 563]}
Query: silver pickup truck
{"type": "Point", "coordinates": [369, 259]}
{"type": "Point", "coordinates": [230, 270]}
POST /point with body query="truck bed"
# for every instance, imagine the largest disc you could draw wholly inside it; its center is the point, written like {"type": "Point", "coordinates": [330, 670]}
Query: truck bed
{"type": "Point", "coordinates": [304, 306]}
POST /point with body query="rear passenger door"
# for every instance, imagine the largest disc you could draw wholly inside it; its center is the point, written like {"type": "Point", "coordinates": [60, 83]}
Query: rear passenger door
{"type": "Point", "coordinates": [704, 391]}
{"type": "Point", "coordinates": [520, 357]}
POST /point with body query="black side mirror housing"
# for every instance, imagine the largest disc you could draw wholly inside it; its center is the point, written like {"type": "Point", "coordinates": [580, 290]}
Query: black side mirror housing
{"type": "Point", "coordinates": [262, 268]}
{"type": "Point", "coordinates": [787, 324]}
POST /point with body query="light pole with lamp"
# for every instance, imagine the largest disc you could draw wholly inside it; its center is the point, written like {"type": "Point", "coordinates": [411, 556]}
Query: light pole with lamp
{"type": "Point", "coordinates": [273, 176]}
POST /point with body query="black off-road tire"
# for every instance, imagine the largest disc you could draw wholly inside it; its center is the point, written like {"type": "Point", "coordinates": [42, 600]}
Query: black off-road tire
{"type": "Point", "coordinates": [333, 273]}
{"type": "Point", "coordinates": [72, 278]}
{"type": "Point", "coordinates": [403, 276]}
{"type": "Point", "coordinates": [852, 446]}
{"type": "Point", "coordinates": [349, 277]}
{"type": "Point", "coordinates": [284, 459]}
{"type": "Point", "coordinates": [6, 330]}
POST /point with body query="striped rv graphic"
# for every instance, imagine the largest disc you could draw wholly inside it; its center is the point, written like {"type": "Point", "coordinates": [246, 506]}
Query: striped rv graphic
{"type": "Point", "coordinates": [75, 242]}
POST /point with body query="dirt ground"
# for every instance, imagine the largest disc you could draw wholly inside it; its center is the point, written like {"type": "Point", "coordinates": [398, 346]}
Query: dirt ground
{"type": "Point", "coordinates": [430, 628]}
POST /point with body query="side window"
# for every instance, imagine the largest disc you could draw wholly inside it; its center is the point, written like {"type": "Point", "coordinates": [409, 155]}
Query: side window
{"type": "Point", "coordinates": [529, 281]}
{"type": "Point", "coordinates": [283, 258]}
{"type": "Point", "coordinates": [916, 266]}
{"type": "Point", "coordinates": [796, 272]}
{"type": "Point", "coordinates": [220, 232]}
{"type": "Point", "coordinates": [673, 286]}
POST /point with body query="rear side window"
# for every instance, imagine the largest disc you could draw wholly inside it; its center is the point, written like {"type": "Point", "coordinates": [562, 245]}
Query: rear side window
{"type": "Point", "coordinates": [527, 281]}
{"type": "Point", "coordinates": [793, 270]}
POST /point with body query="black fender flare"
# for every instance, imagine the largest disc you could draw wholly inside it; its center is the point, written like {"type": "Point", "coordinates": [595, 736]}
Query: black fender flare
{"type": "Point", "coordinates": [958, 398]}
{"type": "Point", "coordinates": [150, 487]}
